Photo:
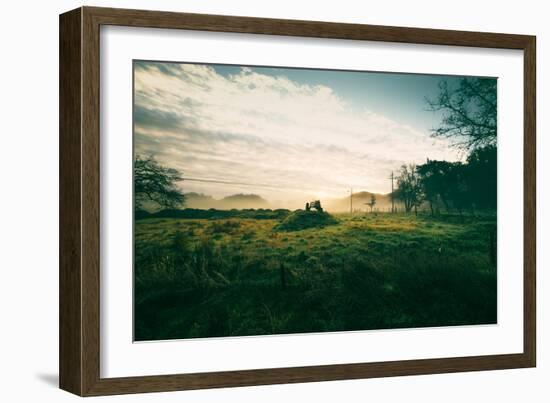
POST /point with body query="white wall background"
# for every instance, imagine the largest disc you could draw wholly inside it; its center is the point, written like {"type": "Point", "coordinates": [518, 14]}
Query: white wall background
{"type": "Point", "coordinates": [29, 199]}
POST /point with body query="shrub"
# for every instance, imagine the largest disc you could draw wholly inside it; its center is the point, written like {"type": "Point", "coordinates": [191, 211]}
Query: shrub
{"type": "Point", "coordinates": [301, 219]}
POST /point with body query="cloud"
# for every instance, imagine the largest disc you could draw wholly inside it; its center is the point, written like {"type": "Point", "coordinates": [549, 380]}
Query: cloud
{"type": "Point", "coordinates": [144, 117]}
{"type": "Point", "coordinates": [267, 129]}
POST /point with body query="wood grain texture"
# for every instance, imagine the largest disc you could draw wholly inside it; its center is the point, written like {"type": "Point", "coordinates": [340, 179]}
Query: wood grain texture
{"type": "Point", "coordinates": [317, 29]}
{"type": "Point", "coordinates": [530, 202]}
{"type": "Point", "coordinates": [80, 201]}
{"type": "Point", "coordinates": [70, 275]}
{"type": "Point", "coordinates": [90, 202]}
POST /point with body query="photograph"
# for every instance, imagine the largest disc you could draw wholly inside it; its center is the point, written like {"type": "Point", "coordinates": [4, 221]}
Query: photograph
{"type": "Point", "coordinates": [273, 200]}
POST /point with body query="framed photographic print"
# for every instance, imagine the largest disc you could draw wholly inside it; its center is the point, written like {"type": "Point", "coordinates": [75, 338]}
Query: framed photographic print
{"type": "Point", "coordinates": [249, 201]}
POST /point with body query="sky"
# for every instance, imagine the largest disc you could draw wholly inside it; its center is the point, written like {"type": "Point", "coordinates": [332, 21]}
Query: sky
{"type": "Point", "coordinates": [284, 133]}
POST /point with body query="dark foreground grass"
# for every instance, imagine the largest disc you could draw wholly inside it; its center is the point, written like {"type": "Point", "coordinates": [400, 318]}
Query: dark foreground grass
{"type": "Point", "coordinates": [236, 277]}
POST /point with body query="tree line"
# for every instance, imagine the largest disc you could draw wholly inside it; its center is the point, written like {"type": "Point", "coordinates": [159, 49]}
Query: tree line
{"type": "Point", "coordinates": [458, 186]}
{"type": "Point", "coordinates": [469, 117]}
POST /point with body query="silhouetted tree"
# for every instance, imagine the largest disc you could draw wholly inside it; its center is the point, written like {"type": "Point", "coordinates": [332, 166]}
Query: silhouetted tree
{"type": "Point", "coordinates": [469, 112]}
{"type": "Point", "coordinates": [481, 177]}
{"type": "Point", "coordinates": [372, 202]}
{"type": "Point", "coordinates": [455, 184]}
{"type": "Point", "coordinates": [429, 179]}
{"type": "Point", "coordinates": [457, 187]}
{"type": "Point", "coordinates": [156, 184]}
{"type": "Point", "coordinates": [409, 187]}
{"type": "Point", "coordinates": [434, 178]}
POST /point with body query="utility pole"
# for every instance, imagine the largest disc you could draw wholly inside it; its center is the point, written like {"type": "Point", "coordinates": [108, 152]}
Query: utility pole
{"type": "Point", "coordinates": [392, 202]}
{"type": "Point", "coordinates": [351, 201]}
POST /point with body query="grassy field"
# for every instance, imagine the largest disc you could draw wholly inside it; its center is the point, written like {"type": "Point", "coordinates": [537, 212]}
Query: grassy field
{"type": "Point", "coordinates": [246, 276]}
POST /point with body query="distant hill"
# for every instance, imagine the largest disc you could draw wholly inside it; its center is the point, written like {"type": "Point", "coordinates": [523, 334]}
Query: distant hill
{"type": "Point", "coordinates": [242, 201]}
{"type": "Point", "coordinates": [237, 201]}
{"type": "Point", "coordinates": [200, 201]}
{"type": "Point", "coordinates": [253, 201]}
{"type": "Point", "coordinates": [383, 202]}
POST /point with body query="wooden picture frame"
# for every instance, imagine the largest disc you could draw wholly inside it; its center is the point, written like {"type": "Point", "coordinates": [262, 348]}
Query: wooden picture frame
{"type": "Point", "coordinates": [79, 346]}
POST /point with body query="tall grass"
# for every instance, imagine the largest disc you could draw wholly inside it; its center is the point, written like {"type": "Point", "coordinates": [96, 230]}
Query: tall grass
{"type": "Point", "coordinates": [235, 277]}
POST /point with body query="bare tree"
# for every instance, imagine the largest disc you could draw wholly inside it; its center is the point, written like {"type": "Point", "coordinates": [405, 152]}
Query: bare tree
{"type": "Point", "coordinates": [372, 201]}
{"type": "Point", "coordinates": [155, 184]}
{"type": "Point", "coordinates": [469, 111]}
{"type": "Point", "coordinates": [409, 187]}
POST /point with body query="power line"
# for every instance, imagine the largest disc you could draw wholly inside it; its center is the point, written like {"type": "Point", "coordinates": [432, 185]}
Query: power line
{"type": "Point", "coordinates": [236, 183]}
{"type": "Point", "coordinates": [228, 182]}
{"type": "Point", "coordinates": [264, 185]}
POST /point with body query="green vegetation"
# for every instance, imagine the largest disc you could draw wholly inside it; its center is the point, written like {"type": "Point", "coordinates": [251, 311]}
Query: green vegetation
{"type": "Point", "coordinates": [456, 186]}
{"type": "Point", "coordinates": [235, 276]}
{"type": "Point", "coordinates": [301, 219]}
{"type": "Point", "coordinates": [214, 214]}
{"type": "Point", "coordinates": [233, 267]}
